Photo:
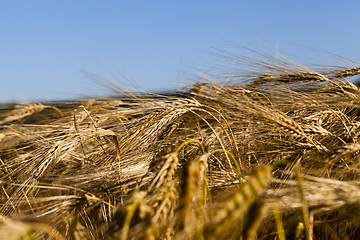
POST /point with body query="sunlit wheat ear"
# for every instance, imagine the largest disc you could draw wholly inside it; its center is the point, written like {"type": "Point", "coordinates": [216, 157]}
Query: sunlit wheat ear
{"type": "Point", "coordinates": [163, 202]}
{"type": "Point", "coordinates": [291, 78]}
{"type": "Point", "coordinates": [232, 210]}
{"type": "Point", "coordinates": [285, 122]}
{"type": "Point", "coordinates": [288, 124]}
{"type": "Point", "coordinates": [164, 184]}
{"type": "Point", "coordinates": [320, 117]}
{"type": "Point", "coordinates": [20, 113]}
{"type": "Point", "coordinates": [315, 129]}
{"type": "Point", "coordinates": [167, 171]}
{"type": "Point", "coordinates": [347, 72]}
{"type": "Point", "coordinates": [193, 195]}
{"type": "Point", "coordinates": [28, 110]}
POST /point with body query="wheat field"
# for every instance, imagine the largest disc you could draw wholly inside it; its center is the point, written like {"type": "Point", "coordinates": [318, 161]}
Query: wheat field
{"type": "Point", "coordinates": [272, 153]}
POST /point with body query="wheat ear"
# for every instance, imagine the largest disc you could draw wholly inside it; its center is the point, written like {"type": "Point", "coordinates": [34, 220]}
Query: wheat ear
{"type": "Point", "coordinates": [28, 110]}
{"type": "Point", "coordinates": [237, 204]}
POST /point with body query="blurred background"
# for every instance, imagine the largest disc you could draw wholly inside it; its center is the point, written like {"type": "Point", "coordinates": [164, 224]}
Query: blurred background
{"type": "Point", "coordinates": [55, 49]}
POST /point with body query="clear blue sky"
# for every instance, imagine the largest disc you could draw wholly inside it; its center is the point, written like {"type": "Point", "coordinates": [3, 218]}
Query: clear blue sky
{"type": "Point", "coordinates": [47, 47]}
